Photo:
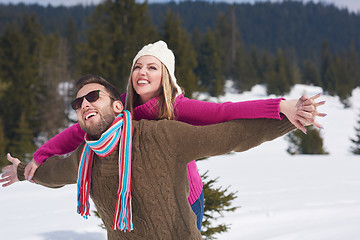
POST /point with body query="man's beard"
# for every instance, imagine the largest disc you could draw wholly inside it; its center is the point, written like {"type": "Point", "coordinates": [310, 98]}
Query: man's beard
{"type": "Point", "coordinates": [99, 128]}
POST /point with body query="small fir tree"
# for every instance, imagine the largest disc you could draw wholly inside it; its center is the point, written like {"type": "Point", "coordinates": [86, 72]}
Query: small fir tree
{"type": "Point", "coordinates": [356, 141]}
{"type": "Point", "coordinates": [310, 143]}
{"type": "Point", "coordinates": [217, 202]}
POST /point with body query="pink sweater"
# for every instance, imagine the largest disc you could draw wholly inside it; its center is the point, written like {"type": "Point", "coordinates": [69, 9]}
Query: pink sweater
{"type": "Point", "coordinates": [186, 110]}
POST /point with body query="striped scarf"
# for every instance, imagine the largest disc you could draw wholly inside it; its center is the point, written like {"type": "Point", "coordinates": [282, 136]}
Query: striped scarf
{"type": "Point", "coordinates": [119, 131]}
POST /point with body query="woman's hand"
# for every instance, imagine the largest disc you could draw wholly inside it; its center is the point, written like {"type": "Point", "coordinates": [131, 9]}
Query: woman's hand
{"type": "Point", "coordinates": [303, 111]}
{"type": "Point", "coordinates": [30, 169]}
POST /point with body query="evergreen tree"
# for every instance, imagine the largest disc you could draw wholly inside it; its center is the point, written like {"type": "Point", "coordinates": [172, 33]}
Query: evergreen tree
{"type": "Point", "coordinates": [310, 143]}
{"type": "Point", "coordinates": [249, 70]}
{"type": "Point", "coordinates": [325, 64]}
{"type": "Point", "coordinates": [356, 141]}
{"type": "Point", "coordinates": [22, 143]}
{"type": "Point", "coordinates": [20, 50]}
{"type": "Point", "coordinates": [54, 71]}
{"type": "Point", "coordinates": [209, 68]}
{"type": "Point", "coordinates": [3, 145]}
{"type": "Point", "coordinates": [217, 201]}
{"type": "Point", "coordinates": [225, 36]}
{"type": "Point", "coordinates": [117, 30]}
{"type": "Point", "coordinates": [179, 42]}
{"type": "Point", "coordinates": [265, 67]}
{"type": "Point", "coordinates": [3, 139]}
{"type": "Point", "coordinates": [310, 74]}
{"type": "Point", "coordinates": [72, 41]}
{"type": "Point", "coordinates": [277, 78]}
{"type": "Point", "coordinates": [339, 79]}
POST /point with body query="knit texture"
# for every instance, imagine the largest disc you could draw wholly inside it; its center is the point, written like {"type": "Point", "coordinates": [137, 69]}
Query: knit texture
{"type": "Point", "coordinates": [161, 151]}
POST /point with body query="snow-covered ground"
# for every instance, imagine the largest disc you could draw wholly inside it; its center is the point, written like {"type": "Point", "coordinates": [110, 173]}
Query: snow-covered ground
{"type": "Point", "coordinates": [280, 197]}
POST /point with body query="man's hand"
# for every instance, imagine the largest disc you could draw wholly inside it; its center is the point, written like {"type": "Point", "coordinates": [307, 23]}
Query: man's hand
{"type": "Point", "coordinates": [30, 169]}
{"type": "Point", "coordinates": [302, 112]}
{"type": "Point", "coordinates": [10, 172]}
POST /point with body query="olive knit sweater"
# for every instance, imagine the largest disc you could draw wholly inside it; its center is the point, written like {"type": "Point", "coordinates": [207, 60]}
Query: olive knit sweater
{"type": "Point", "coordinates": [159, 187]}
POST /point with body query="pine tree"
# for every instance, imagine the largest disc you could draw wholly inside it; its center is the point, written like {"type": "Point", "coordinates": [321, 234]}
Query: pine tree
{"type": "Point", "coordinates": [325, 64]}
{"type": "Point", "coordinates": [227, 48]}
{"type": "Point", "coordinates": [3, 145]}
{"type": "Point", "coordinates": [22, 143]}
{"type": "Point", "coordinates": [277, 79]}
{"type": "Point", "coordinates": [310, 143]}
{"type": "Point", "coordinates": [247, 70]}
{"type": "Point", "coordinates": [339, 79]}
{"type": "Point", "coordinates": [217, 201]}
{"type": "Point", "coordinates": [117, 31]}
{"type": "Point", "coordinates": [310, 74]}
{"type": "Point", "coordinates": [3, 139]}
{"type": "Point", "coordinates": [356, 141]}
{"type": "Point", "coordinates": [179, 42]}
{"type": "Point", "coordinates": [72, 41]}
{"type": "Point", "coordinates": [209, 68]}
{"type": "Point", "coordinates": [20, 51]}
{"type": "Point", "coordinates": [54, 70]}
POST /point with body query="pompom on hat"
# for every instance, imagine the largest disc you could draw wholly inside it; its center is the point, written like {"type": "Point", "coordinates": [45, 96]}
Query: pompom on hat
{"type": "Point", "coordinates": [161, 51]}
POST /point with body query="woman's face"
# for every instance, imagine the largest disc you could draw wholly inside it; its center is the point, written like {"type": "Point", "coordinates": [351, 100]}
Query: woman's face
{"type": "Point", "coordinates": [146, 77]}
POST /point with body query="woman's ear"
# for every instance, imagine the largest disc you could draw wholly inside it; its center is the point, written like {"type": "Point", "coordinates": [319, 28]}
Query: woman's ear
{"type": "Point", "coordinates": [118, 107]}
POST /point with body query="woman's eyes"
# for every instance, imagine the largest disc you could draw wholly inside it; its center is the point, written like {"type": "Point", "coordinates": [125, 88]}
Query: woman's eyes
{"type": "Point", "coordinates": [150, 67]}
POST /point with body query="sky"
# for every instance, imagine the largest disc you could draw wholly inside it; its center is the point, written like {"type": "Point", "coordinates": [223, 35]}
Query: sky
{"type": "Point", "coordinates": [351, 5]}
{"type": "Point", "coordinates": [280, 197]}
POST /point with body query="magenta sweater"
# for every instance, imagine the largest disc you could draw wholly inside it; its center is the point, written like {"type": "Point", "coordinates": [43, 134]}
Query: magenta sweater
{"type": "Point", "coordinates": [186, 110]}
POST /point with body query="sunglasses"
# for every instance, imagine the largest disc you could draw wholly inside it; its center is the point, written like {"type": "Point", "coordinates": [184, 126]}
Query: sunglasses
{"type": "Point", "coordinates": [90, 97]}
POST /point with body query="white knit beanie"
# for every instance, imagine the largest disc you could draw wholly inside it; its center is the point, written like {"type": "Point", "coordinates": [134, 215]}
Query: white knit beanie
{"type": "Point", "coordinates": [159, 50]}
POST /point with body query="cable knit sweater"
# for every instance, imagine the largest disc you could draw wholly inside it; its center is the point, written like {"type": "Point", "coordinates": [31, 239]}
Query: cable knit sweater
{"type": "Point", "coordinates": [160, 152]}
{"type": "Point", "coordinates": [186, 110]}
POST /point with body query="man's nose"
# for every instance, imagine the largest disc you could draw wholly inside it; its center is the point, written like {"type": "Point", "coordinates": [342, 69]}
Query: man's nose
{"type": "Point", "coordinates": [85, 103]}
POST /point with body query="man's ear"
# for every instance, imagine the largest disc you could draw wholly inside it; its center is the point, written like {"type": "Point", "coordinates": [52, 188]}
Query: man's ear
{"type": "Point", "coordinates": [118, 107]}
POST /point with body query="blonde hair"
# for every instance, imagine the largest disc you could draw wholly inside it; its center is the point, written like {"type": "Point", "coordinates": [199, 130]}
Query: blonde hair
{"type": "Point", "coordinates": [166, 97]}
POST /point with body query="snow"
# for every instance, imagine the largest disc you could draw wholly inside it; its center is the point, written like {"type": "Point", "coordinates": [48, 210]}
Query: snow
{"type": "Point", "coordinates": [280, 197]}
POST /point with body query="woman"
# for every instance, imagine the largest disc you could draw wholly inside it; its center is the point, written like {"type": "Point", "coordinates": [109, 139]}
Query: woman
{"type": "Point", "coordinates": [153, 94]}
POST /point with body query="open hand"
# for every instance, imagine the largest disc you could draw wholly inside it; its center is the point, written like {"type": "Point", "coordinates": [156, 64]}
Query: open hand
{"type": "Point", "coordinates": [10, 172]}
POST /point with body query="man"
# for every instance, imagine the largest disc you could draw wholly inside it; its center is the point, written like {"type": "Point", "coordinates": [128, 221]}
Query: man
{"type": "Point", "coordinates": [153, 155]}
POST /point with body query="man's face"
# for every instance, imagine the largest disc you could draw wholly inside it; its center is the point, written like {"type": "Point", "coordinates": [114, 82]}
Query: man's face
{"type": "Point", "coordinates": [95, 117]}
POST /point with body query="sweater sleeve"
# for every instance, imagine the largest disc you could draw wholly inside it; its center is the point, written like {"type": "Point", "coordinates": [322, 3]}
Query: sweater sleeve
{"type": "Point", "coordinates": [197, 112]}
{"type": "Point", "coordinates": [55, 172]}
{"type": "Point", "coordinates": [195, 142]}
{"type": "Point", "coordinates": [63, 143]}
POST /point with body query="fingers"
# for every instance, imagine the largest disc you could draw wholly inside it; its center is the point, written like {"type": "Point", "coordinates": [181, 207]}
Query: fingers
{"type": "Point", "coordinates": [316, 124]}
{"type": "Point", "coordinates": [319, 103]}
{"type": "Point", "coordinates": [12, 159]}
{"type": "Point", "coordinates": [316, 96]}
{"type": "Point", "coordinates": [298, 125]}
{"type": "Point", "coordinates": [8, 182]}
{"type": "Point", "coordinates": [308, 108]}
{"type": "Point", "coordinates": [302, 100]}
{"type": "Point", "coordinates": [6, 179]}
{"type": "Point", "coordinates": [31, 174]}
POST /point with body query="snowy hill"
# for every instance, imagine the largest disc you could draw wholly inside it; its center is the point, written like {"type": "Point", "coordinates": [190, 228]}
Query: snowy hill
{"type": "Point", "coordinates": [282, 197]}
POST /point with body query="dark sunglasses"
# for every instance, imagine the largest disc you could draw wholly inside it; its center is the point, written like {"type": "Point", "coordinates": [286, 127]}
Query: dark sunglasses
{"type": "Point", "coordinates": [90, 97]}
